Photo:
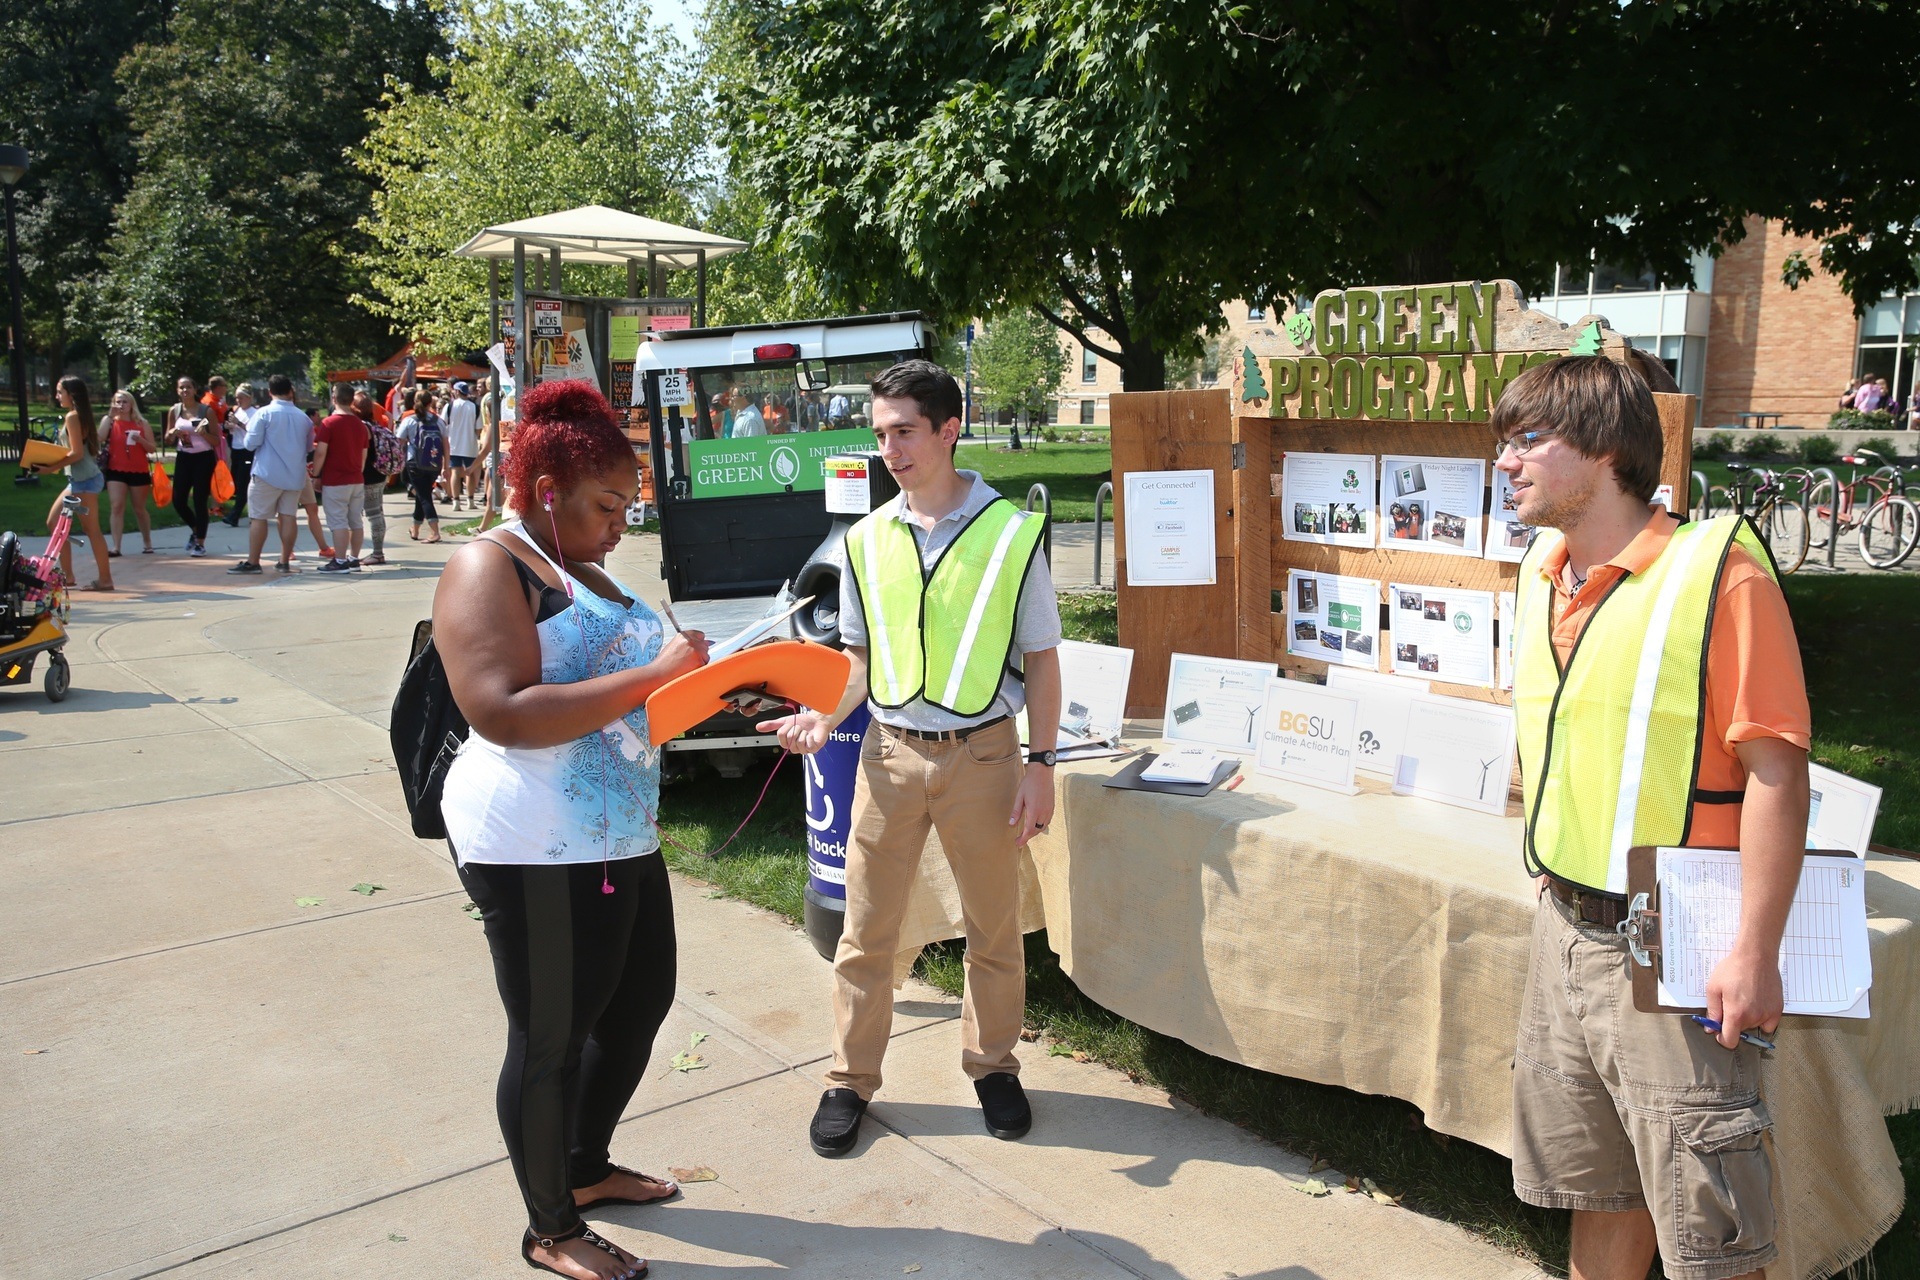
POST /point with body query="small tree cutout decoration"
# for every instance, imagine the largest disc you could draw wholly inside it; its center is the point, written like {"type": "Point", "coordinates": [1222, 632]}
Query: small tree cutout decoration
{"type": "Point", "coordinates": [1253, 385]}
{"type": "Point", "coordinates": [1588, 343]}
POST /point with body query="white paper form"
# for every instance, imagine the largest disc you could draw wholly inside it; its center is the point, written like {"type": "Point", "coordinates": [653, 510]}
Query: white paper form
{"type": "Point", "coordinates": [1093, 691]}
{"type": "Point", "coordinates": [1328, 498]}
{"type": "Point", "coordinates": [1507, 538]}
{"type": "Point", "coordinates": [1215, 702]}
{"type": "Point", "coordinates": [1840, 810]}
{"type": "Point", "coordinates": [1506, 605]}
{"type": "Point", "coordinates": [1826, 966]}
{"type": "Point", "coordinates": [1433, 504]}
{"type": "Point", "coordinates": [1333, 619]}
{"type": "Point", "coordinates": [1441, 633]}
{"type": "Point", "coordinates": [1169, 517]}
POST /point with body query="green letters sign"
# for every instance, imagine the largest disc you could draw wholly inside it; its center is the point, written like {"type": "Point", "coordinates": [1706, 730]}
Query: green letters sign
{"type": "Point", "coordinates": [768, 464]}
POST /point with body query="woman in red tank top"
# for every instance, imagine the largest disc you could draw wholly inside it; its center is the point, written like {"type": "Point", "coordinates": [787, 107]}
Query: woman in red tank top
{"type": "Point", "coordinates": [130, 449]}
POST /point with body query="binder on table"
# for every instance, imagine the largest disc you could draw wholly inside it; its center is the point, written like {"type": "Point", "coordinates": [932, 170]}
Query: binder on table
{"type": "Point", "coordinates": [1683, 906]}
{"type": "Point", "coordinates": [1129, 779]}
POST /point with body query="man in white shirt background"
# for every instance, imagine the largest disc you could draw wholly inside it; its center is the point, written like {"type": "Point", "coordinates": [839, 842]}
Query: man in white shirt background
{"type": "Point", "coordinates": [463, 448]}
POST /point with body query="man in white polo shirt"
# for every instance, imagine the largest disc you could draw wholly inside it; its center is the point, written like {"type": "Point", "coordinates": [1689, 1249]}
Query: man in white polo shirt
{"type": "Point", "coordinates": [279, 437]}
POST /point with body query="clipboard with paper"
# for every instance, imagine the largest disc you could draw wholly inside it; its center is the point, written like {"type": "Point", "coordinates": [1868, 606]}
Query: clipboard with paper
{"type": "Point", "coordinates": [1683, 909]}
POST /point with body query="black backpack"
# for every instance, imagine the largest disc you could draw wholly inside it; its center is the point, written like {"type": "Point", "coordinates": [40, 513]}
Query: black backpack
{"type": "Point", "coordinates": [426, 730]}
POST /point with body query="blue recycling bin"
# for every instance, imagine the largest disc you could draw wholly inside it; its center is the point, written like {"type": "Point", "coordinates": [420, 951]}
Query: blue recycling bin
{"type": "Point", "coordinates": [831, 772]}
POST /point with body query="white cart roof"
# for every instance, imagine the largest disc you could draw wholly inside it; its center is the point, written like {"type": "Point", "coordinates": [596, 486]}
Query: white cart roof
{"type": "Point", "coordinates": [594, 233]}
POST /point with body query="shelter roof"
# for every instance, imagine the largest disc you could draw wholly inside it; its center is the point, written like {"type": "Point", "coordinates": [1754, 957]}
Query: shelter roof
{"type": "Point", "coordinates": [594, 233]}
{"type": "Point", "coordinates": [425, 368]}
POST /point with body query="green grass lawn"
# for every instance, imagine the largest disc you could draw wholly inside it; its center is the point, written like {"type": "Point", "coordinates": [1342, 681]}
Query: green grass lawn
{"type": "Point", "coordinates": [23, 508]}
{"type": "Point", "coordinates": [1856, 632]}
{"type": "Point", "coordinates": [1073, 473]}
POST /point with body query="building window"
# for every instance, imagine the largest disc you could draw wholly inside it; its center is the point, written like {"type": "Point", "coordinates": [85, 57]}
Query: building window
{"type": "Point", "coordinates": [1256, 313]}
{"type": "Point", "coordinates": [1086, 413]}
{"type": "Point", "coordinates": [1889, 343]}
{"type": "Point", "coordinates": [1089, 365]}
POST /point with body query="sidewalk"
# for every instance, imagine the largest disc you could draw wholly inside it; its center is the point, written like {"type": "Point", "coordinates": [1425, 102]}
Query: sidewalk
{"type": "Point", "coordinates": [199, 1077]}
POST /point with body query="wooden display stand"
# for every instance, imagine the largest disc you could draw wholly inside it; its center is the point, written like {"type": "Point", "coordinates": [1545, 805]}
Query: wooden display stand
{"type": "Point", "coordinates": [1377, 371]}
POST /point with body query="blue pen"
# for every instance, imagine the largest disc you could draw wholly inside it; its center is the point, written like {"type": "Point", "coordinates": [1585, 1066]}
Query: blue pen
{"type": "Point", "coordinates": [1748, 1036]}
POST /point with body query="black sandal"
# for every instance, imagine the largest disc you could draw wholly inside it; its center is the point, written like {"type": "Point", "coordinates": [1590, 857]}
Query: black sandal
{"type": "Point", "coordinates": [585, 1233]}
{"type": "Point", "coordinates": [673, 1189]}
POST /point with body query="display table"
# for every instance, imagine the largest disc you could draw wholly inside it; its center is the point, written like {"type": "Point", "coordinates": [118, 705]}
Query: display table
{"type": "Point", "coordinates": [1379, 943]}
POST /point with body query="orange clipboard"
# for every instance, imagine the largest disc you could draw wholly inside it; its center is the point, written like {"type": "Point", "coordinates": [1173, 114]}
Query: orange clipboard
{"type": "Point", "coordinates": [1641, 928]}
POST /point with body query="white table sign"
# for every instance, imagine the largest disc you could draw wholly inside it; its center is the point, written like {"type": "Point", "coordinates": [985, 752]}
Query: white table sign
{"type": "Point", "coordinates": [1169, 516]}
{"type": "Point", "coordinates": [1384, 701]}
{"type": "Point", "coordinates": [1457, 752]}
{"type": "Point", "coordinates": [1215, 702]}
{"type": "Point", "coordinates": [1307, 735]}
{"type": "Point", "coordinates": [1840, 810]}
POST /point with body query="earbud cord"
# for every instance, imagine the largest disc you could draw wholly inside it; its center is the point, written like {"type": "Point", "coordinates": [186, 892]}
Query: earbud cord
{"type": "Point", "coordinates": [606, 824]}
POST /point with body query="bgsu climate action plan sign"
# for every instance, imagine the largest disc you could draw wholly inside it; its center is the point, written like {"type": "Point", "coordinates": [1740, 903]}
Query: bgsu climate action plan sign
{"type": "Point", "coordinates": [768, 464]}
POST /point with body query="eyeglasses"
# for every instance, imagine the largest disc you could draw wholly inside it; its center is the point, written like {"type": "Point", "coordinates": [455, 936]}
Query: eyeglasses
{"type": "Point", "coordinates": [1522, 442]}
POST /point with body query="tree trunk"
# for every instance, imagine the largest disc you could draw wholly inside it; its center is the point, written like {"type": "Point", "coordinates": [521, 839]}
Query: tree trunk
{"type": "Point", "coordinates": [1145, 367]}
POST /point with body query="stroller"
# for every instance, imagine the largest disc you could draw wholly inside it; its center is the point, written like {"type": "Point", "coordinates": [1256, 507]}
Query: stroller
{"type": "Point", "coordinates": [33, 608]}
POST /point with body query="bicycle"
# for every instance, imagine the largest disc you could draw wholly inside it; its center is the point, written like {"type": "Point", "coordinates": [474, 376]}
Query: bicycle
{"type": "Point", "coordinates": [1886, 527]}
{"type": "Point", "coordinates": [1780, 518]}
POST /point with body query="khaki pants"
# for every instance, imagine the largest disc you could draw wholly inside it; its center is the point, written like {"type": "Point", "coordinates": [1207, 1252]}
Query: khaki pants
{"type": "Point", "coordinates": [964, 790]}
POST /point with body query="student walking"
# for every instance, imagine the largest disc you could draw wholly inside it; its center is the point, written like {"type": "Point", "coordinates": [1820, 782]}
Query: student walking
{"type": "Point", "coordinates": [426, 440]}
{"type": "Point", "coordinates": [239, 457]}
{"type": "Point", "coordinates": [948, 613]}
{"type": "Point", "coordinates": [85, 480]}
{"type": "Point", "coordinates": [131, 447]}
{"type": "Point", "coordinates": [280, 436]}
{"type": "Point", "coordinates": [1668, 645]}
{"type": "Point", "coordinates": [463, 446]}
{"type": "Point", "coordinates": [550, 813]}
{"type": "Point", "coordinates": [386, 458]}
{"type": "Point", "coordinates": [191, 431]}
{"type": "Point", "coordinates": [339, 457]}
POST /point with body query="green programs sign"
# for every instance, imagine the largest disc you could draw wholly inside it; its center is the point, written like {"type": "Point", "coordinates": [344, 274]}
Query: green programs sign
{"type": "Point", "coordinates": [768, 464]}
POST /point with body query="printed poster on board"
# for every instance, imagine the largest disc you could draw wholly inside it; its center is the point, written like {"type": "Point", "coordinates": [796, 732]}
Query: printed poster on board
{"type": "Point", "coordinates": [1333, 619]}
{"type": "Point", "coordinates": [1328, 498]}
{"type": "Point", "coordinates": [1432, 504]}
{"type": "Point", "coordinates": [1442, 633]}
{"type": "Point", "coordinates": [1507, 538]}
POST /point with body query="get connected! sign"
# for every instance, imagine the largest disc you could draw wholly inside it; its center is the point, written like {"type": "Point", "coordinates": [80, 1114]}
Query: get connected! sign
{"type": "Point", "coordinates": [768, 464]}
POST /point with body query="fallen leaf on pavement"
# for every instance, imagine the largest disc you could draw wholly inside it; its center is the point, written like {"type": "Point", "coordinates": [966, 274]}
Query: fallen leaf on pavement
{"type": "Point", "coordinates": [1081, 1055]}
{"type": "Point", "coordinates": [472, 909]}
{"type": "Point", "coordinates": [1353, 1186]}
{"type": "Point", "coordinates": [309, 902]}
{"type": "Point", "coordinates": [396, 1237]}
{"type": "Point", "coordinates": [698, 1036]}
{"type": "Point", "coordinates": [1373, 1189]}
{"type": "Point", "coordinates": [1318, 1165]}
{"type": "Point", "coordinates": [30, 1052]}
{"type": "Point", "coordinates": [1313, 1187]}
{"type": "Point", "coordinates": [1029, 1034]}
{"type": "Point", "coordinates": [1058, 1050]}
{"type": "Point", "coordinates": [910, 1268]}
{"type": "Point", "coordinates": [366, 890]}
{"type": "Point", "coordinates": [687, 1062]}
{"type": "Point", "coordinates": [699, 1173]}
{"type": "Point", "coordinates": [1386, 1199]}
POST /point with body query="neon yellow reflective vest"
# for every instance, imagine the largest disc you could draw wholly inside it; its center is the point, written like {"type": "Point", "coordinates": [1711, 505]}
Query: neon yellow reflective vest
{"type": "Point", "coordinates": [945, 635]}
{"type": "Point", "coordinates": [1610, 746]}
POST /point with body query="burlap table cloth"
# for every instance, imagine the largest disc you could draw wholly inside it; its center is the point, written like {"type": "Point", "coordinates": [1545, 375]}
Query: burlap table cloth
{"type": "Point", "coordinates": [1379, 943]}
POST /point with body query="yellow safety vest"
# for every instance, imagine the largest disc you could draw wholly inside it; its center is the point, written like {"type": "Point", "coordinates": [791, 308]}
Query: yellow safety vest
{"type": "Point", "coordinates": [1610, 746]}
{"type": "Point", "coordinates": [945, 634]}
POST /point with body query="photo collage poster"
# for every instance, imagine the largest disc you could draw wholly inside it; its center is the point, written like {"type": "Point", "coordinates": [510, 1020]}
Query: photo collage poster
{"type": "Point", "coordinates": [1328, 498]}
{"type": "Point", "coordinates": [1507, 538]}
{"type": "Point", "coordinates": [1442, 633]}
{"type": "Point", "coordinates": [1433, 504]}
{"type": "Point", "coordinates": [1333, 619]}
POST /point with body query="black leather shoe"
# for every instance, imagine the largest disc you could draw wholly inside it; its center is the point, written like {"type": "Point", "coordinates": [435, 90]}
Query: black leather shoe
{"type": "Point", "coordinates": [836, 1122]}
{"type": "Point", "coordinates": [1004, 1104]}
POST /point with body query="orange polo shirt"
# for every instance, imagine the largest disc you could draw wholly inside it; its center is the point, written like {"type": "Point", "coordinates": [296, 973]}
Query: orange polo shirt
{"type": "Point", "coordinates": [1755, 685]}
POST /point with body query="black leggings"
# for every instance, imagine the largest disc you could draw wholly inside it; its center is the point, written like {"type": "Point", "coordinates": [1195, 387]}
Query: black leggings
{"type": "Point", "coordinates": [193, 488]}
{"type": "Point", "coordinates": [421, 481]}
{"type": "Point", "coordinates": [587, 979]}
{"type": "Point", "coordinates": [240, 462]}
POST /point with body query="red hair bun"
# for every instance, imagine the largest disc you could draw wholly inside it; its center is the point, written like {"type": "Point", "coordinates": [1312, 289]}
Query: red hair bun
{"type": "Point", "coordinates": [566, 430]}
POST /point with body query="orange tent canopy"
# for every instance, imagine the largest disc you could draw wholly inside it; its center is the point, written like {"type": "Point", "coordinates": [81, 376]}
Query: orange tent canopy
{"type": "Point", "coordinates": [426, 369]}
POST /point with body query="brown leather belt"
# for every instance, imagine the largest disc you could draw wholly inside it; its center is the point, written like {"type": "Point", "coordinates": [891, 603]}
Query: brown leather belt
{"type": "Point", "coordinates": [944, 735]}
{"type": "Point", "coordinates": [1598, 909]}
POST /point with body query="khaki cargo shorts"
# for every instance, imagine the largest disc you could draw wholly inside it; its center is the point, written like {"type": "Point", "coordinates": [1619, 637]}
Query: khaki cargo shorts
{"type": "Point", "coordinates": [1614, 1109]}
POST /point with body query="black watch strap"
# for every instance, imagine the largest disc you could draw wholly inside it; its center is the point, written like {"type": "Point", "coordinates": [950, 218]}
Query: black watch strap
{"type": "Point", "coordinates": [1046, 758]}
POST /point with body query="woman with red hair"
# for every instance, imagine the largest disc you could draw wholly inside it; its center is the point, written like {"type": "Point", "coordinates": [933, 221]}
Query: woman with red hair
{"type": "Point", "coordinates": [550, 814]}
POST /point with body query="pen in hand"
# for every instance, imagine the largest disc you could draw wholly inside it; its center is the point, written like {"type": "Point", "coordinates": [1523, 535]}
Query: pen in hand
{"type": "Point", "coordinates": [1713, 1028]}
{"type": "Point", "coordinates": [666, 611]}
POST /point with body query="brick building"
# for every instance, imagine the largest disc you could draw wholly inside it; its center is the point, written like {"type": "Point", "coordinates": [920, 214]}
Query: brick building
{"type": "Point", "coordinates": [1732, 335]}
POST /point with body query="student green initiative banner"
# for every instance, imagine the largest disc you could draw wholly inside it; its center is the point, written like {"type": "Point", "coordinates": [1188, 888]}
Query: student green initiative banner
{"type": "Point", "coordinates": [768, 464]}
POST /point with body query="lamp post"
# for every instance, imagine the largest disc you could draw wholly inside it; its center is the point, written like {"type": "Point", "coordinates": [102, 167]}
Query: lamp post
{"type": "Point", "coordinates": [13, 167]}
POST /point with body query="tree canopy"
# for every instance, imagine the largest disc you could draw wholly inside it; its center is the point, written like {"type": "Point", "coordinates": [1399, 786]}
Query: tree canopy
{"type": "Point", "coordinates": [1146, 164]}
{"type": "Point", "coordinates": [544, 107]}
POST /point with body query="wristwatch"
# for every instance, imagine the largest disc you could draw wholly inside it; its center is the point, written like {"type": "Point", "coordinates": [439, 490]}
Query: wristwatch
{"type": "Point", "coordinates": [1046, 758]}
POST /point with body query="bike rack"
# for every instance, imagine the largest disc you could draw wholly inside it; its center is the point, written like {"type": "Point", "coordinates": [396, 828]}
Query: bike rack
{"type": "Point", "coordinates": [1100, 497]}
{"type": "Point", "coordinates": [1700, 478]}
{"type": "Point", "coordinates": [1833, 513]}
{"type": "Point", "coordinates": [1046, 516]}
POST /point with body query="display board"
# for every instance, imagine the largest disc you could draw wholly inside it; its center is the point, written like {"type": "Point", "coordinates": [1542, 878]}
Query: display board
{"type": "Point", "coordinates": [1398, 376]}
